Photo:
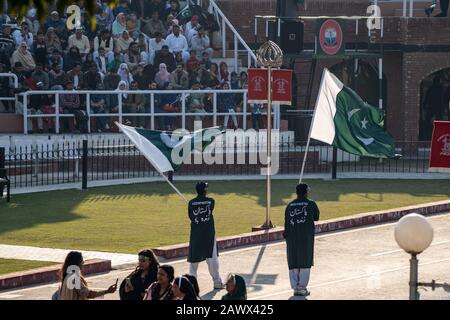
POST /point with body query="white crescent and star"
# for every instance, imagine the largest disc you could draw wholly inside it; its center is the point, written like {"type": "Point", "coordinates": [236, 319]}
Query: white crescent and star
{"type": "Point", "coordinates": [364, 123]}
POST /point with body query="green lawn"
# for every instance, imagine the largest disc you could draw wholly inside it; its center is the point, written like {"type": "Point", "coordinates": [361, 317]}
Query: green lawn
{"type": "Point", "coordinates": [11, 265]}
{"type": "Point", "coordinates": [130, 217]}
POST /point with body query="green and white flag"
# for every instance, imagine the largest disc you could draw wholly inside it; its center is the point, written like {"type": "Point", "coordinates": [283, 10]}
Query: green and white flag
{"type": "Point", "coordinates": [344, 120]}
{"type": "Point", "coordinates": [158, 146]}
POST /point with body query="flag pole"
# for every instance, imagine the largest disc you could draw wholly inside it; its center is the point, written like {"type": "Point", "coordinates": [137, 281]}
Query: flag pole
{"type": "Point", "coordinates": [309, 134]}
{"type": "Point", "coordinates": [174, 188]}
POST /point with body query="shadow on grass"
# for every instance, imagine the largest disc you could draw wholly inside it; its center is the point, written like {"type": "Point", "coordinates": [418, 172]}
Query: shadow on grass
{"type": "Point", "coordinates": [28, 210]}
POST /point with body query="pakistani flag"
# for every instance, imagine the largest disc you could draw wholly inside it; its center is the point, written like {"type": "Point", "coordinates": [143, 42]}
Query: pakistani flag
{"type": "Point", "coordinates": [344, 120]}
{"type": "Point", "coordinates": [157, 146]}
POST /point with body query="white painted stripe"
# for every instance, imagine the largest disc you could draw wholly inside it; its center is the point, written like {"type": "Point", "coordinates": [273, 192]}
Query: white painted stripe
{"type": "Point", "coordinates": [10, 296]}
{"type": "Point", "coordinates": [400, 250]}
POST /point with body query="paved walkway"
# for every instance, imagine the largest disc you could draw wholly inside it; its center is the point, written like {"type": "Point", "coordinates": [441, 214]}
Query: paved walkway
{"type": "Point", "coordinates": [118, 260]}
{"type": "Point", "coordinates": [363, 263]}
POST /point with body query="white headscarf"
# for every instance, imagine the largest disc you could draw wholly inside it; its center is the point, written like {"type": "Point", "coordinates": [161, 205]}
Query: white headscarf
{"type": "Point", "coordinates": [123, 76]}
{"type": "Point", "coordinates": [124, 95]}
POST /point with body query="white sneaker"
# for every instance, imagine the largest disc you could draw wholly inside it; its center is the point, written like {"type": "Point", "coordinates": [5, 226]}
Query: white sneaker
{"type": "Point", "coordinates": [302, 292]}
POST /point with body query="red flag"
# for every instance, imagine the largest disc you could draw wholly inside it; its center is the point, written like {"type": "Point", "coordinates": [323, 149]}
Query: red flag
{"type": "Point", "coordinates": [282, 86]}
{"type": "Point", "coordinates": [257, 85]}
{"type": "Point", "coordinates": [440, 147]}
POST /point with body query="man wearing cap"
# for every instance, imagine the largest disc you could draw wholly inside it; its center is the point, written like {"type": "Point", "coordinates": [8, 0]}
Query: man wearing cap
{"type": "Point", "coordinates": [7, 40]}
{"type": "Point", "coordinates": [299, 233]}
{"type": "Point", "coordinates": [202, 242]}
{"type": "Point", "coordinates": [191, 26]}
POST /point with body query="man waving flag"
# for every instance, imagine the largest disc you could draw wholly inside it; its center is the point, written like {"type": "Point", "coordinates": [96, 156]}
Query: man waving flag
{"type": "Point", "coordinates": [344, 120]}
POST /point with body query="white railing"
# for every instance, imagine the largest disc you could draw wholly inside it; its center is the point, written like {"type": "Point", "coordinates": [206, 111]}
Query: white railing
{"type": "Point", "coordinates": [405, 4]}
{"type": "Point", "coordinates": [237, 39]}
{"type": "Point", "coordinates": [16, 85]}
{"type": "Point", "coordinates": [150, 104]}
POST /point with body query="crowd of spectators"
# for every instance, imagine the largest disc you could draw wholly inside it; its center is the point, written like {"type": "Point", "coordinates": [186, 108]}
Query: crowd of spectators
{"type": "Point", "coordinates": [138, 45]}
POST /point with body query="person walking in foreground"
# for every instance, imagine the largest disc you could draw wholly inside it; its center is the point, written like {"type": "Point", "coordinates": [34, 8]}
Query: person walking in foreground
{"type": "Point", "coordinates": [202, 243]}
{"type": "Point", "coordinates": [69, 283]}
{"type": "Point", "coordinates": [135, 285]}
{"type": "Point", "coordinates": [236, 289]}
{"type": "Point", "coordinates": [299, 233]}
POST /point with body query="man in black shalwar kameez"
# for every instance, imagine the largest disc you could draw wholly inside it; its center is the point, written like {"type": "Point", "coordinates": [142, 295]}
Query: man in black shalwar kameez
{"type": "Point", "coordinates": [202, 243]}
{"type": "Point", "coordinates": [299, 233]}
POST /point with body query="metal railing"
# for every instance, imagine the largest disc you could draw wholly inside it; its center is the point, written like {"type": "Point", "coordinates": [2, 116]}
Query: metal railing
{"type": "Point", "coordinates": [151, 114]}
{"type": "Point", "coordinates": [118, 159]}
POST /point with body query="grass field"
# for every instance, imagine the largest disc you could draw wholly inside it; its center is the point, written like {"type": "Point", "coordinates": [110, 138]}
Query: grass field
{"type": "Point", "coordinates": [130, 217]}
{"type": "Point", "coordinates": [12, 265]}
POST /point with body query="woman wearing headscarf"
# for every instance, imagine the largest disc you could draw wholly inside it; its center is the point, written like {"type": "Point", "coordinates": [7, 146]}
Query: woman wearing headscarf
{"type": "Point", "coordinates": [23, 55]}
{"type": "Point", "coordinates": [72, 57]}
{"type": "Point", "coordinates": [162, 76]}
{"type": "Point", "coordinates": [123, 43]}
{"type": "Point", "coordinates": [236, 289]}
{"type": "Point", "coordinates": [113, 104]}
{"type": "Point", "coordinates": [125, 74]}
{"type": "Point", "coordinates": [119, 25]}
{"type": "Point", "coordinates": [162, 288]}
{"type": "Point", "coordinates": [183, 289]}
{"type": "Point", "coordinates": [134, 286]}
{"type": "Point", "coordinates": [52, 39]}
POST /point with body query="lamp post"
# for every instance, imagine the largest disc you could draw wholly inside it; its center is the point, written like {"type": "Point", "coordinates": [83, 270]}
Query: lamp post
{"type": "Point", "coordinates": [413, 234]}
{"type": "Point", "coordinates": [269, 55]}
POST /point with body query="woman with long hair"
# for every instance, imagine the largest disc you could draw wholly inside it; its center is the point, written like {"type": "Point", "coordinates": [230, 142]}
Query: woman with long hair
{"type": "Point", "coordinates": [183, 289]}
{"type": "Point", "coordinates": [72, 58]}
{"type": "Point", "coordinates": [134, 286]}
{"type": "Point", "coordinates": [162, 288]}
{"type": "Point", "coordinates": [73, 285]}
{"type": "Point", "coordinates": [224, 75]}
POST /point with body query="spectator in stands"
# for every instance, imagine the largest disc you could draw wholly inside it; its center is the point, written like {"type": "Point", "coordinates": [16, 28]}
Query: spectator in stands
{"type": "Point", "coordinates": [125, 74]}
{"type": "Point", "coordinates": [70, 104]}
{"type": "Point", "coordinates": [114, 104]}
{"type": "Point", "coordinates": [19, 71]}
{"type": "Point", "coordinates": [134, 56]}
{"type": "Point", "coordinates": [119, 25]}
{"type": "Point", "coordinates": [75, 77]}
{"type": "Point", "coordinates": [32, 21]}
{"type": "Point", "coordinates": [182, 288]}
{"type": "Point", "coordinates": [191, 28]}
{"type": "Point", "coordinates": [214, 81]}
{"type": "Point", "coordinates": [23, 35]}
{"type": "Point", "coordinates": [91, 77]}
{"type": "Point", "coordinates": [158, 5]}
{"type": "Point", "coordinates": [52, 39]}
{"type": "Point", "coordinates": [80, 41]}
{"type": "Point", "coordinates": [123, 43]}
{"type": "Point", "coordinates": [36, 103]}
{"type": "Point", "coordinates": [192, 63]}
{"type": "Point", "coordinates": [169, 23]}
{"type": "Point", "coordinates": [201, 75]}
{"type": "Point", "coordinates": [55, 22]}
{"type": "Point", "coordinates": [200, 42]}
{"type": "Point", "coordinates": [28, 81]}
{"type": "Point", "coordinates": [256, 109]}
{"type": "Point", "coordinates": [133, 26]}
{"type": "Point", "coordinates": [155, 45]}
{"type": "Point", "coordinates": [72, 58]}
{"type": "Point", "coordinates": [179, 78]}
{"type": "Point", "coordinates": [141, 8]}
{"type": "Point", "coordinates": [122, 8]}
{"type": "Point", "coordinates": [154, 25]}
{"type": "Point", "coordinates": [195, 102]}
{"type": "Point", "coordinates": [39, 49]}
{"type": "Point", "coordinates": [66, 292]}
{"type": "Point", "coordinates": [103, 19]}
{"type": "Point", "coordinates": [178, 43]}
{"type": "Point", "coordinates": [234, 81]}
{"type": "Point", "coordinates": [39, 75]}
{"type": "Point", "coordinates": [116, 62]}
{"type": "Point", "coordinates": [105, 41]}
{"type": "Point", "coordinates": [206, 60]}
{"type": "Point", "coordinates": [135, 104]}
{"type": "Point", "coordinates": [111, 80]}
{"type": "Point", "coordinates": [55, 57]}
{"type": "Point", "coordinates": [162, 288]}
{"type": "Point", "coordinates": [224, 74]}
{"type": "Point", "coordinates": [24, 56]}
{"type": "Point", "coordinates": [144, 75]}
{"type": "Point", "coordinates": [164, 56]}
{"type": "Point", "coordinates": [226, 103]}
{"type": "Point", "coordinates": [6, 40]}
{"type": "Point", "coordinates": [243, 80]}
{"type": "Point", "coordinates": [213, 29]}
{"type": "Point", "coordinates": [173, 9]}
{"type": "Point", "coordinates": [179, 58]}
{"type": "Point", "coordinates": [56, 75]}
{"type": "Point", "coordinates": [143, 43]}
{"type": "Point", "coordinates": [102, 62]}
{"type": "Point", "coordinates": [98, 106]}
{"type": "Point", "coordinates": [89, 59]}
{"type": "Point", "coordinates": [162, 76]}
{"type": "Point", "coordinates": [168, 103]}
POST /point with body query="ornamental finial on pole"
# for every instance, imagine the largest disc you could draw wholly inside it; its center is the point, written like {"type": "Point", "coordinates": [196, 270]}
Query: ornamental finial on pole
{"type": "Point", "coordinates": [270, 55]}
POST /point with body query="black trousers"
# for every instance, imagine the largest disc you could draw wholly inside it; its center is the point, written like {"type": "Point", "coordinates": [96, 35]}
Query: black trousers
{"type": "Point", "coordinates": [444, 8]}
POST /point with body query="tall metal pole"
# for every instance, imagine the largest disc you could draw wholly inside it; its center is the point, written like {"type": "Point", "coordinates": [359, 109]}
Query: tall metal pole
{"type": "Point", "coordinates": [413, 277]}
{"type": "Point", "coordinates": [269, 55]}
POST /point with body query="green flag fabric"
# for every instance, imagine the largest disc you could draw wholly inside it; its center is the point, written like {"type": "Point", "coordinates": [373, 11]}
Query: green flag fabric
{"type": "Point", "coordinates": [157, 146]}
{"type": "Point", "coordinates": [344, 120]}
